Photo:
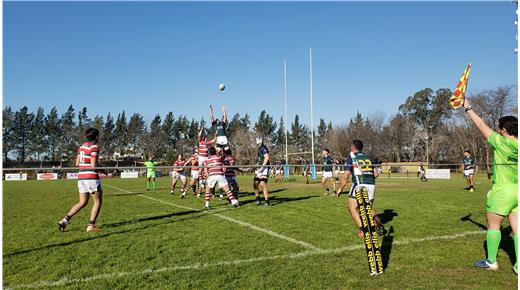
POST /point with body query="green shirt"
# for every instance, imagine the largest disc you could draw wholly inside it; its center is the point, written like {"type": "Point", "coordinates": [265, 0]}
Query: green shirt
{"type": "Point", "coordinates": [150, 166]}
{"type": "Point", "coordinates": [365, 165]}
{"type": "Point", "coordinates": [505, 151]}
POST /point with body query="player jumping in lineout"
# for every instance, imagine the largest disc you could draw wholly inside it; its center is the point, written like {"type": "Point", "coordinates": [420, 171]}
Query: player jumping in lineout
{"type": "Point", "coordinates": [468, 168]}
{"type": "Point", "coordinates": [502, 199]}
{"type": "Point", "coordinates": [150, 171]}
{"type": "Point", "coordinates": [220, 127]}
{"type": "Point", "coordinates": [214, 168]}
{"type": "Point", "coordinates": [367, 180]}
{"type": "Point", "coordinates": [262, 173]}
{"type": "Point", "coordinates": [328, 171]}
{"type": "Point", "coordinates": [89, 183]}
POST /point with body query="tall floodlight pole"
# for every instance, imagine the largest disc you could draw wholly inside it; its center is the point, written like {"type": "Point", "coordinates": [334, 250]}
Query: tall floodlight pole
{"type": "Point", "coordinates": [285, 116]}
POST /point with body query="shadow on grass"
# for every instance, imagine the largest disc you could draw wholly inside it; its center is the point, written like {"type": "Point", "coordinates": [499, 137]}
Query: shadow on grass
{"type": "Point", "coordinates": [386, 247]}
{"type": "Point", "coordinates": [101, 235]}
{"type": "Point", "coordinates": [274, 200]}
{"type": "Point", "coordinates": [121, 194]}
{"type": "Point", "coordinates": [246, 193]}
{"type": "Point", "coordinates": [387, 215]}
{"type": "Point", "coordinates": [152, 218]}
{"type": "Point", "coordinates": [507, 243]}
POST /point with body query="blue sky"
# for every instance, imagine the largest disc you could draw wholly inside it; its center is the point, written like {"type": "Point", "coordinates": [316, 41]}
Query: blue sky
{"type": "Point", "coordinates": [170, 56]}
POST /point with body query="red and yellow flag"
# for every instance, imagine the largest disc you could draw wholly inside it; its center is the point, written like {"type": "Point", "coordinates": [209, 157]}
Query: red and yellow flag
{"type": "Point", "coordinates": [457, 99]}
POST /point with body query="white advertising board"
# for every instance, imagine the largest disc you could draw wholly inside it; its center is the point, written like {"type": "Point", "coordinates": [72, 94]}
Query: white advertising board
{"type": "Point", "coordinates": [72, 175]}
{"type": "Point", "coordinates": [129, 174]}
{"type": "Point", "coordinates": [47, 176]}
{"type": "Point", "coordinates": [15, 176]}
{"type": "Point", "coordinates": [438, 174]}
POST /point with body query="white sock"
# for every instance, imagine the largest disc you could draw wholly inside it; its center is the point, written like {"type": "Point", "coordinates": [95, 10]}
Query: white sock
{"type": "Point", "coordinates": [234, 201]}
{"type": "Point", "coordinates": [207, 203]}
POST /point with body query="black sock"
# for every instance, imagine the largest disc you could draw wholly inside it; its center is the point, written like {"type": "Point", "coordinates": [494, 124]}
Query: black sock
{"type": "Point", "coordinates": [92, 223]}
{"type": "Point", "coordinates": [327, 190]}
{"type": "Point", "coordinates": [67, 217]}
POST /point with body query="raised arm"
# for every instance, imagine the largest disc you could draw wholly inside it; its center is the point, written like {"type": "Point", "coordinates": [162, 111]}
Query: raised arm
{"type": "Point", "coordinates": [211, 119]}
{"type": "Point", "coordinates": [224, 114]}
{"type": "Point", "coordinates": [483, 127]}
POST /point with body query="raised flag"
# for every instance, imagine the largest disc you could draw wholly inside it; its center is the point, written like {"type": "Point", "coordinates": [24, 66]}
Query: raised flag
{"type": "Point", "coordinates": [457, 99]}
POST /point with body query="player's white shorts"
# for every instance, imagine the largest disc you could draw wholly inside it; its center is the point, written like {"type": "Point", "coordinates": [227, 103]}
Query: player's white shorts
{"type": "Point", "coordinates": [277, 172]}
{"type": "Point", "coordinates": [469, 172]}
{"type": "Point", "coordinates": [327, 174]}
{"type": "Point", "coordinates": [222, 140]}
{"type": "Point", "coordinates": [202, 159]}
{"type": "Point", "coordinates": [179, 175]}
{"type": "Point", "coordinates": [194, 174]}
{"type": "Point", "coordinates": [214, 179]}
{"type": "Point", "coordinates": [371, 191]}
{"type": "Point", "coordinates": [262, 172]}
{"type": "Point", "coordinates": [89, 185]}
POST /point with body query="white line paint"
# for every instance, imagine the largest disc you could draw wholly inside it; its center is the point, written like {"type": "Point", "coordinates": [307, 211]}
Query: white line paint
{"type": "Point", "coordinates": [242, 223]}
{"type": "Point", "coordinates": [202, 266]}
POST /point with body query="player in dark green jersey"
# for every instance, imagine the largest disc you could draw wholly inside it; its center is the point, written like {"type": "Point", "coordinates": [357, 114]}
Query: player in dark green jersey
{"type": "Point", "coordinates": [262, 172]}
{"type": "Point", "coordinates": [220, 128]}
{"type": "Point", "coordinates": [328, 171]}
{"type": "Point", "coordinates": [367, 179]}
{"type": "Point", "coordinates": [468, 168]}
{"type": "Point", "coordinates": [502, 199]}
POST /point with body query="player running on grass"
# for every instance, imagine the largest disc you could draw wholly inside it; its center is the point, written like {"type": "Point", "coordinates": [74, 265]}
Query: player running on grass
{"type": "Point", "coordinates": [220, 127]}
{"type": "Point", "coordinates": [502, 199]}
{"type": "Point", "coordinates": [328, 171]}
{"type": "Point", "coordinates": [89, 183]}
{"type": "Point", "coordinates": [468, 168]}
{"type": "Point", "coordinates": [179, 172]}
{"type": "Point", "coordinates": [150, 171]}
{"type": "Point", "coordinates": [262, 173]}
{"type": "Point", "coordinates": [214, 168]}
{"type": "Point", "coordinates": [367, 180]}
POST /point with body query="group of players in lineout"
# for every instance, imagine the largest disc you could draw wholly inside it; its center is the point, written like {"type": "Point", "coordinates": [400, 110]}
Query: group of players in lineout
{"type": "Point", "coordinates": [212, 164]}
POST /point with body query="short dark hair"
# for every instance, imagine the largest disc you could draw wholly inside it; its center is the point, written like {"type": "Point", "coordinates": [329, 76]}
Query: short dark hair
{"type": "Point", "coordinates": [358, 144]}
{"type": "Point", "coordinates": [212, 150]}
{"type": "Point", "coordinates": [227, 151]}
{"type": "Point", "coordinates": [510, 123]}
{"type": "Point", "coordinates": [467, 150]}
{"type": "Point", "coordinates": [326, 150]}
{"type": "Point", "coordinates": [91, 134]}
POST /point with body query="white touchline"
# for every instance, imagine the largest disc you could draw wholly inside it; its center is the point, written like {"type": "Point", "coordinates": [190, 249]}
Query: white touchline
{"type": "Point", "coordinates": [201, 266]}
{"type": "Point", "coordinates": [245, 224]}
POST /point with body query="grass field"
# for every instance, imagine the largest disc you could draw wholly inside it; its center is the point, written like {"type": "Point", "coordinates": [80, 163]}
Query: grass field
{"type": "Point", "coordinates": [154, 240]}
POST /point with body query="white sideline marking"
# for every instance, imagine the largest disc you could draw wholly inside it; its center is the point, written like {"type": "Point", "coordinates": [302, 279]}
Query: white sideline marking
{"type": "Point", "coordinates": [201, 266]}
{"type": "Point", "coordinates": [245, 224]}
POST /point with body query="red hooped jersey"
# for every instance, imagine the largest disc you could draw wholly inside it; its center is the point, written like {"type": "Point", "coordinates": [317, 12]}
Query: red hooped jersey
{"type": "Point", "coordinates": [194, 162]}
{"type": "Point", "coordinates": [203, 148]}
{"type": "Point", "coordinates": [215, 165]}
{"type": "Point", "coordinates": [87, 152]}
{"type": "Point", "coordinates": [178, 164]}
{"type": "Point", "coordinates": [229, 161]}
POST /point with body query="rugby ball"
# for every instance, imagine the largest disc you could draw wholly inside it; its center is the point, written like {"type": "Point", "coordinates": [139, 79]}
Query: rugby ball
{"type": "Point", "coordinates": [221, 87]}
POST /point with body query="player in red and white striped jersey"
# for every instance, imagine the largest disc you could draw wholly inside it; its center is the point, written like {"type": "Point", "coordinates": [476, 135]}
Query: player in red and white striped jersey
{"type": "Point", "coordinates": [194, 162]}
{"type": "Point", "coordinates": [89, 183]}
{"type": "Point", "coordinates": [214, 168]}
{"type": "Point", "coordinates": [179, 172]}
{"type": "Point", "coordinates": [203, 147]}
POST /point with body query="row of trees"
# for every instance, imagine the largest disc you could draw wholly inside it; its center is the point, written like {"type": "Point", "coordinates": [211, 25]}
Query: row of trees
{"type": "Point", "coordinates": [425, 120]}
